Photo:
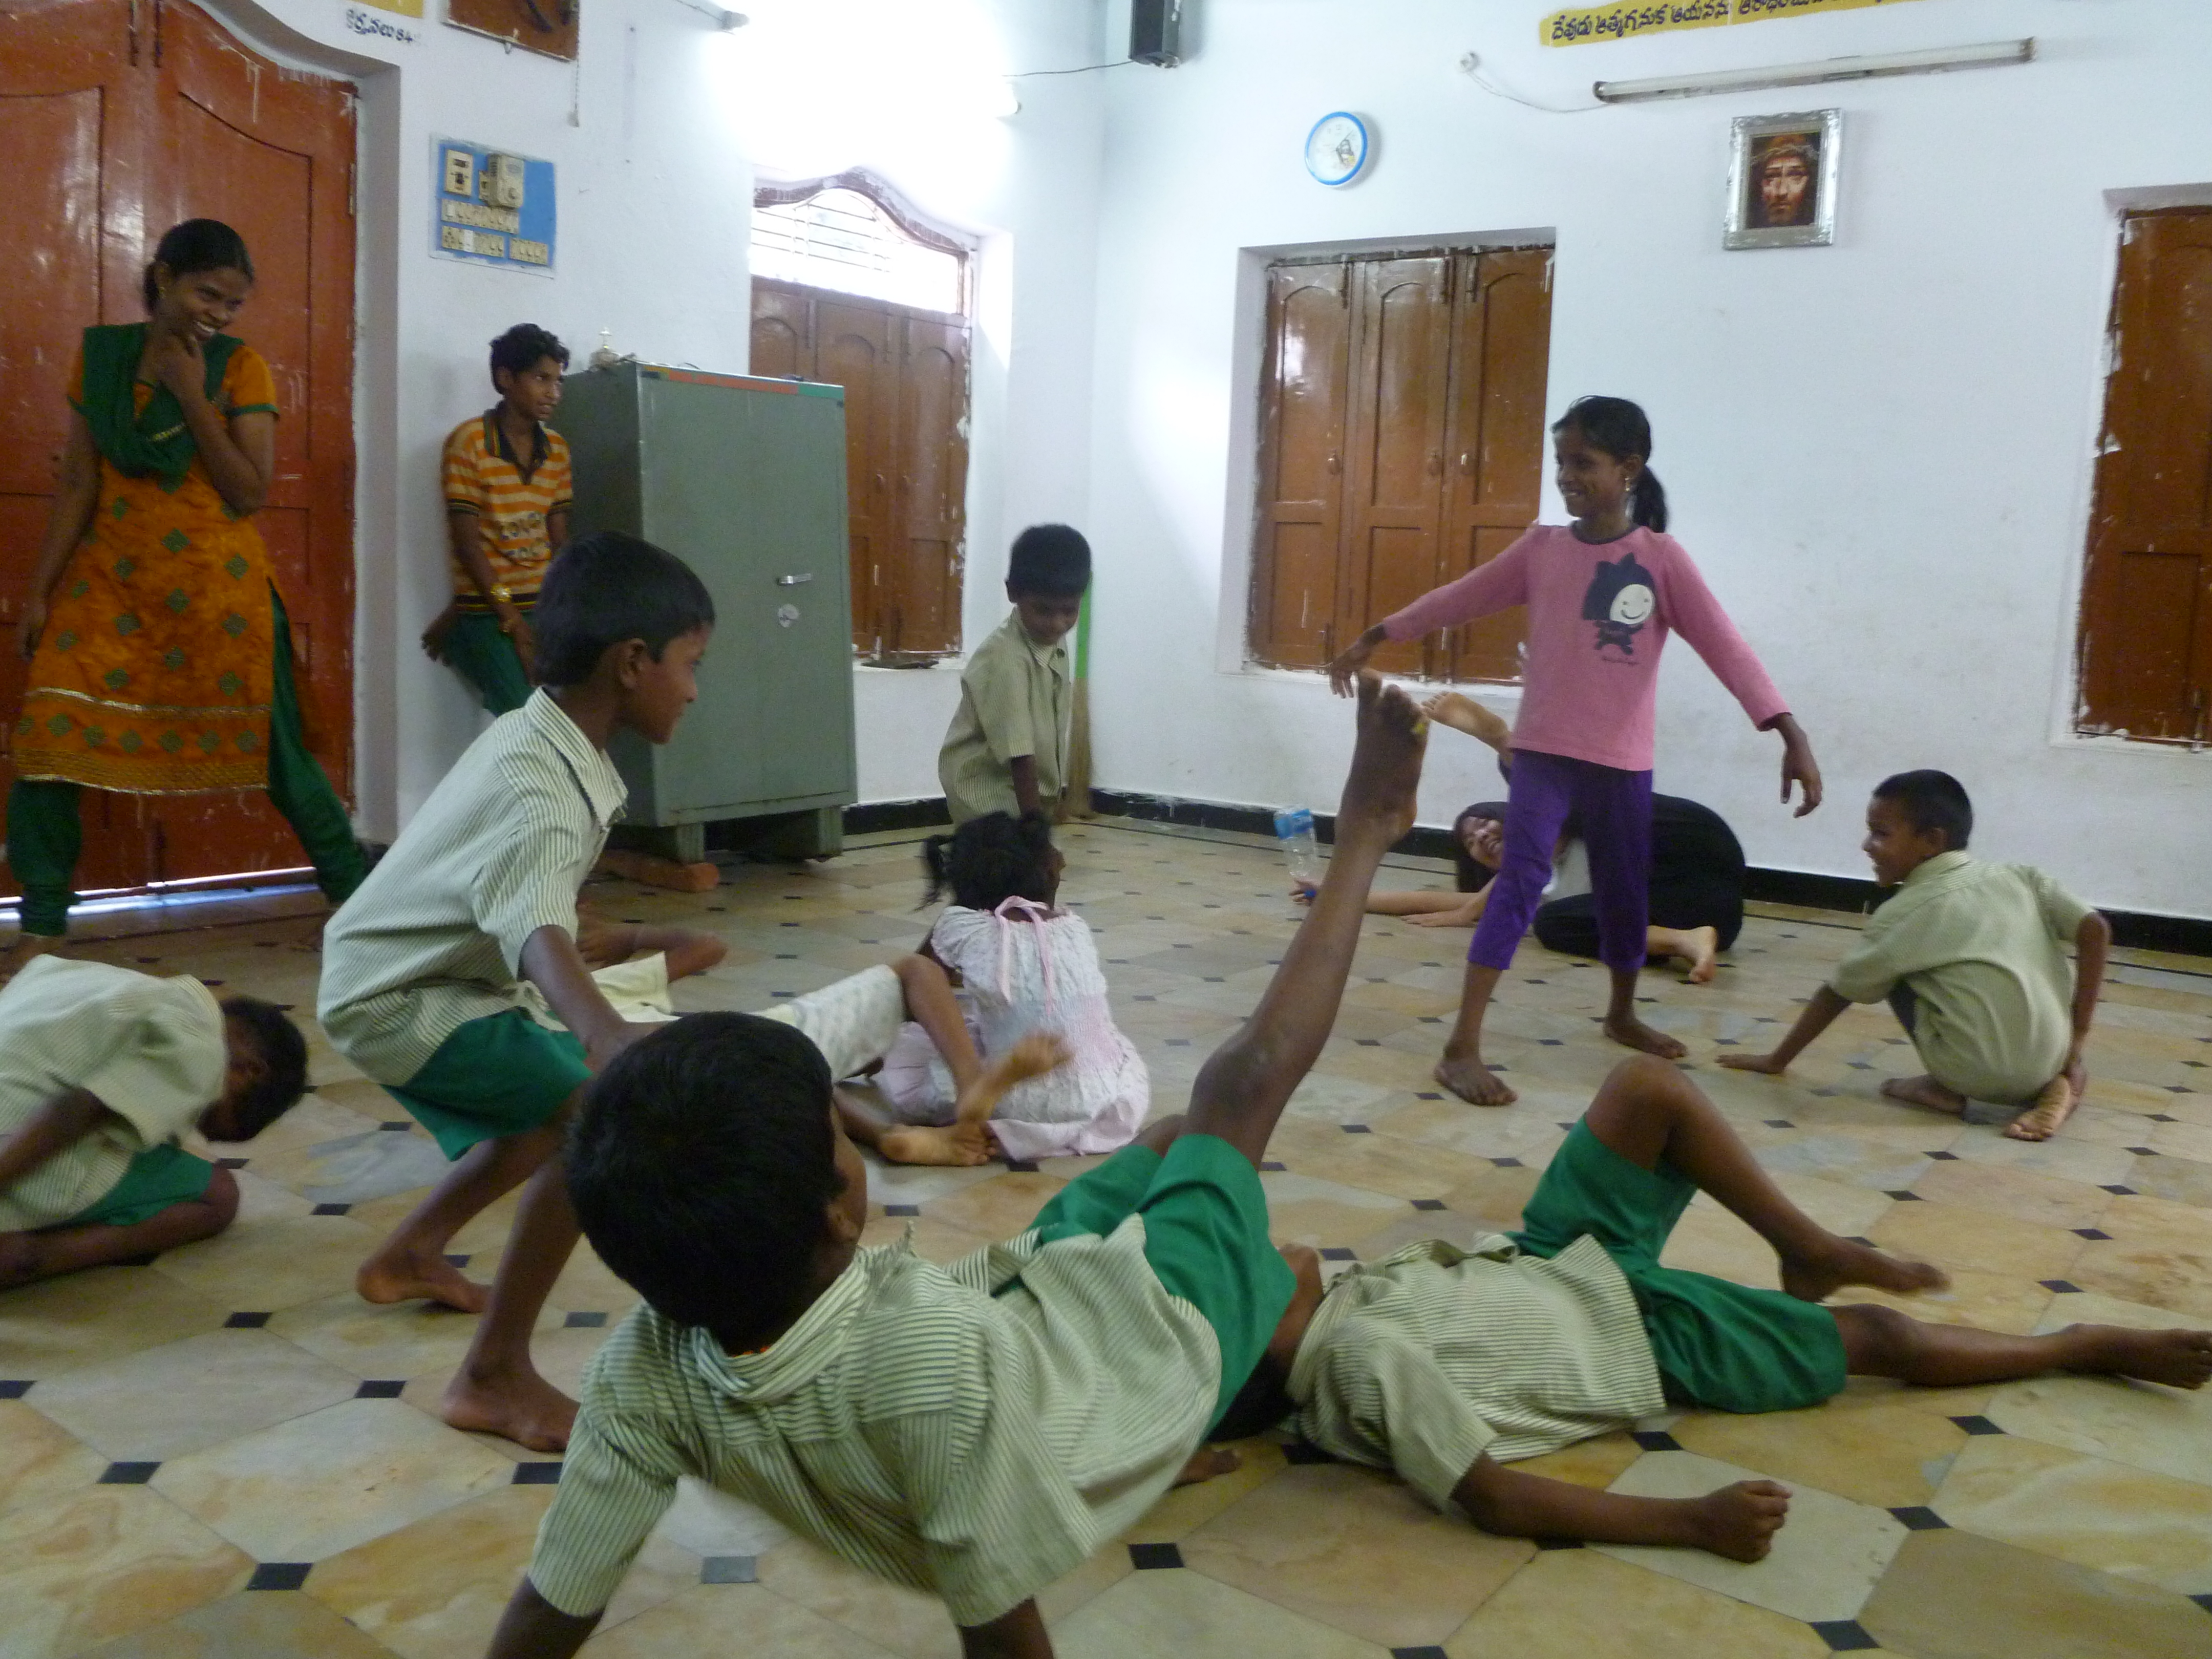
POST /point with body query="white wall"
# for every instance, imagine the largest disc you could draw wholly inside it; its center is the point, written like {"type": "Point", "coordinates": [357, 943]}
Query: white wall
{"type": "Point", "coordinates": [1878, 452]}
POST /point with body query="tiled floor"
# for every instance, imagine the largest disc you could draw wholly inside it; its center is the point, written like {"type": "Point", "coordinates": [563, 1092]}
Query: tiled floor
{"type": "Point", "coordinates": [225, 1453]}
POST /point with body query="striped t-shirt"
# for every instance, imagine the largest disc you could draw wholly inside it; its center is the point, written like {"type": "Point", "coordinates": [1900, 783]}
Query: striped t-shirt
{"type": "Point", "coordinates": [1432, 1357]}
{"type": "Point", "coordinates": [918, 1424]}
{"type": "Point", "coordinates": [433, 937]}
{"type": "Point", "coordinates": [150, 1050]}
{"type": "Point", "coordinates": [512, 497]}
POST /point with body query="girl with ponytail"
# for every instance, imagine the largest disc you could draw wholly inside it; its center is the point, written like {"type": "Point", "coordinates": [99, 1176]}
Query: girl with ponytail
{"type": "Point", "coordinates": [1602, 594]}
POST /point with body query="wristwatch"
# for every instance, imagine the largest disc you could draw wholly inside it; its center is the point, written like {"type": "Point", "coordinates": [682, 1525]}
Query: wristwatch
{"type": "Point", "coordinates": [499, 591]}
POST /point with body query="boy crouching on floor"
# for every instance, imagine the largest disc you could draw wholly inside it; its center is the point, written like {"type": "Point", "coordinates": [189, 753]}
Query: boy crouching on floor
{"type": "Point", "coordinates": [977, 1429]}
{"type": "Point", "coordinates": [1447, 1365]}
{"type": "Point", "coordinates": [101, 1069]}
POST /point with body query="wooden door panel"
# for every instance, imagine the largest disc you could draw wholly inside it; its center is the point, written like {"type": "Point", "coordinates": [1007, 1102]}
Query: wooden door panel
{"type": "Point", "coordinates": [1307, 384]}
{"type": "Point", "coordinates": [855, 348]}
{"type": "Point", "coordinates": [1401, 353]}
{"type": "Point", "coordinates": [60, 297]}
{"type": "Point", "coordinates": [932, 486]}
{"type": "Point", "coordinates": [783, 335]}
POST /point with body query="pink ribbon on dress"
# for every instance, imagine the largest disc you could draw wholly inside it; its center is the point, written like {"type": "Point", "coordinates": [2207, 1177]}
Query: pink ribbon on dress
{"type": "Point", "coordinates": [1036, 913]}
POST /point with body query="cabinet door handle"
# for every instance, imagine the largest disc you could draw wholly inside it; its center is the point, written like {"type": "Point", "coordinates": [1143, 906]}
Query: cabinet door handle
{"type": "Point", "coordinates": [1332, 464]}
{"type": "Point", "coordinates": [794, 581]}
{"type": "Point", "coordinates": [1467, 462]}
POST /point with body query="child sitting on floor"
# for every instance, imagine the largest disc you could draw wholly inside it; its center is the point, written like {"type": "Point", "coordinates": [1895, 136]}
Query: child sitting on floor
{"type": "Point", "coordinates": [977, 1429]}
{"type": "Point", "coordinates": [1022, 965]}
{"type": "Point", "coordinates": [1971, 957]}
{"type": "Point", "coordinates": [101, 1069]}
{"type": "Point", "coordinates": [1446, 1364]}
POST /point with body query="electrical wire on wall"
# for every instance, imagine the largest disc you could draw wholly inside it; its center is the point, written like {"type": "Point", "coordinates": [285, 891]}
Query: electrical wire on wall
{"type": "Point", "coordinates": [1471, 66]}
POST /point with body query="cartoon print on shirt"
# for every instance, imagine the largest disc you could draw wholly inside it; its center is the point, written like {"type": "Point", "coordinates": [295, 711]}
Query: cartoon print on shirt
{"type": "Point", "coordinates": [1620, 600]}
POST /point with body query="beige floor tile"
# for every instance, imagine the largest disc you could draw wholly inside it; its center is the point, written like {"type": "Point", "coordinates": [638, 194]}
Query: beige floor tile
{"type": "Point", "coordinates": [320, 1483]}
{"type": "Point", "coordinates": [1313, 1210]}
{"type": "Point", "coordinates": [1182, 1509]}
{"type": "Point", "coordinates": [2018, 1194]}
{"type": "Point", "coordinates": [89, 1318]}
{"type": "Point", "coordinates": [434, 1590]}
{"type": "Point", "coordinates": [1528, 1131]}
{"type": "Point", "coordinates": [1059, 1599]}
{"type": "Point", "coordinates": [997, 1207]}
{"type": "Point", "coordinates": [1597, 1462]}
{"type": "Point", "coordinates": [2182, 1179]}
{"type": "Point", "coordinates": [1826, 1559]}
{"type": "Point", "coordinates": [1884, 1456]}
{"type": "Point", "coordinates": [1712, 1241]}
{"type": "Point", "coordinates": [2138, 1424]}
{"type": "Point", "coordinates": [1580, 1604]}
{"type": "Point", "coordinates": [1953, 1237]}
{"type": "Point", "coordinates": [2070, 1160]}
{"type": "Point", "coordinates": [256, 1624]}
{"type": "Point", "coordinates": [1192, 1616]}
{"type": "Point", "coordinates": [898, 1621]}
{"type": "Point", "coordinates": [1951, 1594]}
{"type": "Point", "coordinates": [40, 1462]}
{"type": "Point", "coordinates": [1995, 1302]}
{"type": "Point", "coordinates": [711, 1619]}
{"type": "Point", "coordinates": [161, 1403]}
{"type": "Point", "coordinates": [395, 1340]}
{"type": "Point", "coordinates": [2158, 1252]}
{"type": "Point", "coordinates": [277, 1265]}
{"type": "Point", "coordinates": [2126, 1521]}
{"type": "Point", "coordinates": [101, 1564]}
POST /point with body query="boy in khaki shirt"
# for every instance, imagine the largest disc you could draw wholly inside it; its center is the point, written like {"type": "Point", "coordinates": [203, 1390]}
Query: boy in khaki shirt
{"type": "Point", "coordinates": [1971, 957]}
{"type": "Point", "coordinates": [1006, 750]}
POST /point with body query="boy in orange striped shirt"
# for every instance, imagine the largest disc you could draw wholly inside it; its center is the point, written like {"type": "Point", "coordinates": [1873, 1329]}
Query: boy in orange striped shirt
{"type": "Point", "coordinates": [508, 495]}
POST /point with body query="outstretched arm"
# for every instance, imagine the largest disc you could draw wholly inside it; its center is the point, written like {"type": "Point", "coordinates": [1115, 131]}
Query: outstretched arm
{"type": "Point", "coordinates": [534, 1628]}
{"type": "Point", "coordinates": [2092, 945]}
{"type": "Point", "coordinates": [1822, 1011]}
{"type": "Point", "coordinates": [1738, 1522]}
{"type": "Point", "coordinates": [1798, 766]}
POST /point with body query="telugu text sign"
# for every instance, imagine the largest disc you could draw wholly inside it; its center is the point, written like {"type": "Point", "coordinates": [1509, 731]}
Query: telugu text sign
{"type": "Point", "coordinates": [1624, 19]}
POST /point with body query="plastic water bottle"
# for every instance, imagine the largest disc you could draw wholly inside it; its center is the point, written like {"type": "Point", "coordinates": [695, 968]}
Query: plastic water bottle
{"type": "Point", "coordinates": [1294, 834]}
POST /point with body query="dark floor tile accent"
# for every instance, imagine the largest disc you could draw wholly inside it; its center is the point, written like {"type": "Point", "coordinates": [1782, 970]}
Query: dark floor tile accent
{"type": "Point", "coordinates": [902, 1209]}
{"type": "Point", "coordinates": [127, 1474]}
{"type": "Point", "coordinates": [1216, 979]}
{"type": "Point", "coordinates": [1368, 1043]}
{"type": "Point", "coordinates": [2063, 1286]}
{"type": "Point", "coordinates": [1844, 1635]}
{"type": "Point", "coordinates": [1726, 1043]}
{"type": "Point", "coordinates": [2123, 1191]}
{"type": "Point", "coordinates": [455, 1261]}
{"type": "Point", "coordinates": [1428, 1094]}
{"type": "Point", "coordinates": [280, 1575]}
{"type": "Point", "coordinates": [1861, 1239]}
{"type": "Point", "coordinates": [536, 1475]}
{"type": "Point", "coordinates": [230, 1163]}
{"type": "Point", "coordinates": [1552, 1544]}
{"type": "Point", "coordinates": [1178, 1042]}
{"type": "Point", "coordinates": [1778, 1123]}
{"type": "Point", "coordinates": [332, 1209]}
{"type": "Point", "coordinates": [1860, 1065]}
{"type": "Point", "coordinates": [381, 1388]}
{"type": "Point", "coordinates": [1919, 1517]}
{"type": "Point", "coordinates": [1431, 1019]}
{"type": "Point", "coordinates": [1355, 1128]}
{"type": "Point", "coordinates": [1150, 1557]}
{"type": "Point", "coordinates": [1507, 1162]}
{"type": "Point", "coordinates": [1944, 1158]}
{"type": "Point", "coordinates": [728, 1570]}
{"type": "Point", "coordinates": [398, 1126]}
{"type": "Point", "coordinates": [245, 1321]}
{"type": "Point", "coordinates": [2167, 1117]}
{"type": "Point", "coordinates": [1272, 1166]}
{"type": "Point", "coordinates": [1431, 1652]}
{"type": "Point", "coordinates": [1428, 1204]}
{"type": "Point", "coordinates": [1296, 1452]}
{"type": "Point", "coordinates": [2091, 1233]}
{"type": "Point", "coordinates": [2178, 1089]}
{"type": "Point", "coordinates": [584, 1322]}
{"type": "Point", "coordinates": [1977, 1424]}
{"type": "Point", "coordinates": [15, 1388]}
{"type": "Point", "coordinates": [1022, 1165]}
{"type": "Point", "coordinates": [1904, 1195]}
{"type": "Point", "coordinates": [1145, 999]}
{"type": "Point", "coordinates": [1655, 1440]}
{"type": "Point", "coordinates": [2203, 1601]}
{"type": "Point", "coordinates": [1337, 1252]}
{"type": "Point", "coordinates": [2144, 1151]}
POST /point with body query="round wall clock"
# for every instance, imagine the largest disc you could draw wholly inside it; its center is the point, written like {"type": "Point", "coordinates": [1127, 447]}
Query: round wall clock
{"type": "Point", "coordinates": [1336, 148]}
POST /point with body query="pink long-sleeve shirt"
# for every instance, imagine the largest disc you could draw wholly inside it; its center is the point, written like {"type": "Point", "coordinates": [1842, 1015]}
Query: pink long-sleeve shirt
{"type": "Point", "coordinates": [1598, 615]}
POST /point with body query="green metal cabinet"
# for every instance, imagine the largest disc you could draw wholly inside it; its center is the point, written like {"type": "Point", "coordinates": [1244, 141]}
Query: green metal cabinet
{"type": "Point", "coordinates": [744, 480]}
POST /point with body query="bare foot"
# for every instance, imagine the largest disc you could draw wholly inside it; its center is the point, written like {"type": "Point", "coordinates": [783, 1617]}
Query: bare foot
{"type": "Point", "coordinates": [1633, 1033]}
{"type": "Point", "coordinates": [959, 1145]}
{"type": "Point", "coordinates": [1474, 1081]}
{"type": "Point", "coordinates": [967, 1141]}
{"type": "Point", "coordinates": [408, 1277]}
{"type": "Point", "coordinates": [1205, 1463]}
{"type": "Point", "coordinates": [1764, 1065]}
{"type": "Point", "coordinates": [521, 1407]}
{"type": "Point", "coordinates": [1464, 713]}
{"type": "Point", "coordinates": [1928, 1092]}
{"type": "Point", "coordinates": [1386, 762]}
{"type": "Point", "coordinates": [1740, 1521]}
{"type": "Point", "coordinates": [2048, 1115]}
{"type": "Point", "coordinates": [1811, 1275]}
{"type": "Point", "coordinates": [1702, 959]}
{"type": "Point", "coordinates": [2179, 1359]}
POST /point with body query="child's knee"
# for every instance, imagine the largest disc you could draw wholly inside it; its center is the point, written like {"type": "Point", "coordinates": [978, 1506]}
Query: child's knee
{"type": "Point", "coordinates": [1878, 1341]}
{"type": "Point", "coordinates": [219, 1203]}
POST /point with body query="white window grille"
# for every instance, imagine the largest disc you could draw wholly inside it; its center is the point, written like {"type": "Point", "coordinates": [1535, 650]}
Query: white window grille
{"type": "Point", "coordinates": [841, 239]}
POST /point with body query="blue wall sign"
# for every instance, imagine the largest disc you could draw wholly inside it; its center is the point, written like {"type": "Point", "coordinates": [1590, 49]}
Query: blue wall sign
{"type": "Point", "coordinates": [491, 207]}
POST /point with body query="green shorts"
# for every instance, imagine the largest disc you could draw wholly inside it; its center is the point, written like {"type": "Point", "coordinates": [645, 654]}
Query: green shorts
{"type": "Point", "coordinates": [495, 1076]}
{"type": "Point", "coordinates": [1205, 1236]}
{"type": "Point", "coordinates": [1720, 1344]}
{"type": "Point", "coordinates": [480, 653]}
{"type": "Point", "coordinates": [156, 1178]}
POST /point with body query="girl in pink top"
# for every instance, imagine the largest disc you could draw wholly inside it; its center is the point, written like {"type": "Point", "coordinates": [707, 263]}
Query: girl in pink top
{"type": "Point", "coordinates": [1602, 594]}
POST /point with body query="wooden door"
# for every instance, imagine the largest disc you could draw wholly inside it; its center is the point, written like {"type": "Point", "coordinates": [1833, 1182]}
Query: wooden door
{"type": "Point", "coordinates": [1307, 380]}
{"type": "Point", "coordinates": [1494, 442]}
{"type": "Point", "coordinates": [855, 347]}
{"type": "Point", "coordinates": [130, 118]}
{"type": "Point", "coordinates": [932, 484]}
{"type": "Point", "coordinates": [2145, 644]}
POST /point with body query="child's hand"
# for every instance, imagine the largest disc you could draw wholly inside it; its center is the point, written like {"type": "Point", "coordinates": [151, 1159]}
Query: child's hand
{"type": "Point", "coordinates": [1349, 661]}
{"type": "Point", "coordinates": [1302, 892]}
{"type": "Point", "coordinates": [1740, 1521]}
{"type": "Point", "coordinates": [1765, 1065]}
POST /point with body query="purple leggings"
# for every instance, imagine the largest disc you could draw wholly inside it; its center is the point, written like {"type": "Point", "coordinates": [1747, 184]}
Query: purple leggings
{"type": "Point", "coordinates": [1612, 812]}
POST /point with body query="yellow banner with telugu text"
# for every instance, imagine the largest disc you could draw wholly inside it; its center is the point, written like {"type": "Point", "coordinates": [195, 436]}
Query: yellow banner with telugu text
{"type": "Point", "coordinates": [1626, 19]}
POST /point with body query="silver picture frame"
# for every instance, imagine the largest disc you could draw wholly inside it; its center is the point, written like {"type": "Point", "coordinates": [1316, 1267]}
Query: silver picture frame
{"type": "Point", "coordinates": [1776, 162]}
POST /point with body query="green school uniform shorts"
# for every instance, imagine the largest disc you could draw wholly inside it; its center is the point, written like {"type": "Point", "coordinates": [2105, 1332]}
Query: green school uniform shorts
{"type": "Point", "coordinates": [1206, 1236]}
{"type": "Point", "coordinates": [153, 1180]}
{"type": "Point", "coordinates": [495, 1076]}
{"type": "Point", "coordinates": [1719, 1345]}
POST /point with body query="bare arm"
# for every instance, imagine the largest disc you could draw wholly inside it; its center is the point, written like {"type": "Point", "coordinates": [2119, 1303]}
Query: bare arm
{"type": "Point", "coordinates": [56, 1126]}
{"type": "Point", "coordinates": [1738, 1522]}
{"type": "Point", "coordinates": [1432, 909]}
{"type": "Point", "coordinates": [464, 529]}
{"type": "Point", "coordinates": [2092, 945]}
{"type": "Point", "coordinates": [1026, 798]}
{"type": "Point", "coordinates": [556, 528]}
{"type": "Point", "coordinates": [67, 521]}
{"type": "Point", "coordinates": [239, 453]}
{"type": "Point", "coordinates": [534, 1628]}
{"type": "Point", "coordinates": [1017, 1635]}
{"type": "Point", "coordinates": [1798, 765]}
{"type": "Point", "coordinates": [551, 962]}
{"type": "Point", "coordinates": [1822, 1011]}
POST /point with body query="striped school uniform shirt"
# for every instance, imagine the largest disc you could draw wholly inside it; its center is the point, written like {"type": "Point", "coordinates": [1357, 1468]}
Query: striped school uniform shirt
{"type": "Point", "coordinates": [512, 497]}
{"type": "Point", "coordinates": [920, 1426]}
{"type": "Point", "coordinates": [150, 1050]}
{"type": "Point", "coordinates": [1432, 1357]}
{"type": "Point", "coordinates": [433, 937]}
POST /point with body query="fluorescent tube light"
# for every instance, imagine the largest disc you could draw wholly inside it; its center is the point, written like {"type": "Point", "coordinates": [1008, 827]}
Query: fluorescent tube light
{"type": "Point", "coordinates": [1988, 55]}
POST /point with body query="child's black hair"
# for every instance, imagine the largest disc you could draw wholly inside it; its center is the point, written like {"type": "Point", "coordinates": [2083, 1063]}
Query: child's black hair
{"type": "Point", "coordinates": [990, 859]}
{"type": "Point", "coordinates": [701, 1164]}
{"type": "Point", "coordinates": [194, 246]}
{"type": "Point", "coordinates": [1931, 800]}
{"type": "Point", "coordinates": [1049, 558]}
{"type": "Point", "coordinates": [606, 587]}
{"type": "Point", "coordinates": [1262, 1402]}
{"type": "Point", "coordinates": [1473, 875]}
{"type": "Point", "coordinates": [283, 1079]}
{"type": "Point", "coordinates": [1619, 428]}
{"type": "Point", "coordinates": [525, 346]}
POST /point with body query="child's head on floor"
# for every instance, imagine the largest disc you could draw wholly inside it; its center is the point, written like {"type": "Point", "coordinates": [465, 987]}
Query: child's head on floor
{"type": "Point", "coordinates": [708, 1173]}
{"type": "Point", "coordinates": [1046, 576]}
{"type": "Point", "coordinates": [265, 1074]}
{"type": "Point", "coordinates": [1913, 818]}
{"type": "Point", "coordinates": [992, 859]}
{"type": "Point", "coordinates": [628, 618]}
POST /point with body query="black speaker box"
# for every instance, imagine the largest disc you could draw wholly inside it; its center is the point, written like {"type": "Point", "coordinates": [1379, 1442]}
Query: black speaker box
{"type": "Point", "coordinates": [1156, 33]}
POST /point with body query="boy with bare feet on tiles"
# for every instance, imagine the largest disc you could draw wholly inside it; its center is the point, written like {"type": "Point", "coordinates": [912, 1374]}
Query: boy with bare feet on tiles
{"type": "Point", "coordinates": [101, 1069]}
{"type": "Point", "coordinates": [977, 1429]}
{"type": "Point", "coordinates": [1972, 958]}
{"type": "Point", "coordinates": [1448, 1366]}
{"type": "Point", "coordinates": [479, 892]}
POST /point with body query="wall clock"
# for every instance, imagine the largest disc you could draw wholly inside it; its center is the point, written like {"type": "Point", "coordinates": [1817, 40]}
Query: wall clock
{"type": "Point", "coordinates": [1336, 148]}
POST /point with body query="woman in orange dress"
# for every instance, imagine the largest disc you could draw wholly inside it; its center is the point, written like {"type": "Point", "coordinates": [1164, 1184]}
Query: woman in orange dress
{"type": "Point", "coordinates": [160, 660]}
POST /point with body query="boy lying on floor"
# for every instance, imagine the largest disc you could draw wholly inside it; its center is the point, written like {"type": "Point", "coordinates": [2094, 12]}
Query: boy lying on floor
{"type": "Point", "coordinates": [1446, 1366]}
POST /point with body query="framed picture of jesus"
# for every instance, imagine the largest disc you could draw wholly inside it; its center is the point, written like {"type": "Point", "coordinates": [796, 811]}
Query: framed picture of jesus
{"type": "Point", "coordinates": [1782, 180]}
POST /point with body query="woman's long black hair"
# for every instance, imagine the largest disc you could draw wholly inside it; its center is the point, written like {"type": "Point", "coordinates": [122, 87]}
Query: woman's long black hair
{"type": "Point", "coordinates": [1473, 874]}
{"type": "Point", "coordinates": [990, 859]}
{"type": "Point", "coordinates": [1619, 428]}
{"type": "Point", "coordinates": [194, 246]}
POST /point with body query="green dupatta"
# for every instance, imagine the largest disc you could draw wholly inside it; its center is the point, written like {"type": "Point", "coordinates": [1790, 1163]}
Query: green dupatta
{"type": "Point", "coordinates": [154, 441]}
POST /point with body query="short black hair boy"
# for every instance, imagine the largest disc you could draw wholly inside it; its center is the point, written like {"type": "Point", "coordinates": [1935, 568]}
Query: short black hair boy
{"type": "Point", "coordinates": [1931, 800]}
{"type": "Point", "coordinates": [607, 587]}
{"type": "Point", "coordinates": [1050, 559]}
{"type": "Point", "coordinates": [281, 1076]}
{"type": "Point", "coordinates": [525, 346]}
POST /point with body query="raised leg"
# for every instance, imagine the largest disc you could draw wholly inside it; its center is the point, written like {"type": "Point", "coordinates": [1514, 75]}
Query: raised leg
{"type": "Point", "coordinates": [56, 1251]}
{"type": "Point", "coordinates": [410, 1265]}
{"type": "Point", "coordinates": [1881, 1341]}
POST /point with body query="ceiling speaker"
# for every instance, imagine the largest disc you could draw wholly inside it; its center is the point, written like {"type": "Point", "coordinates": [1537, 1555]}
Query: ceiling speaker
{"type": "Point", "coordinates": [1156, 33]}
